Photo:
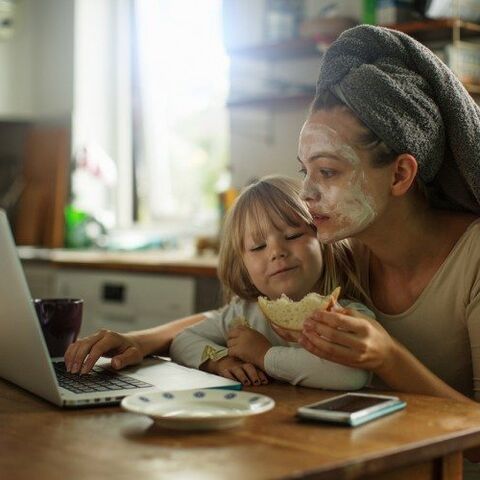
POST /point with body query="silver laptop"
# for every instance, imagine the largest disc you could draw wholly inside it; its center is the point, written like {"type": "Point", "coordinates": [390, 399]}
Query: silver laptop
{"type": "Point", "coordinates": [25, 361]}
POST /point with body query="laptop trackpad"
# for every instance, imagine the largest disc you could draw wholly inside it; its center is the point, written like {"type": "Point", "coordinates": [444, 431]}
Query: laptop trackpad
{"type": "Point", "coordinates": [167, 375]}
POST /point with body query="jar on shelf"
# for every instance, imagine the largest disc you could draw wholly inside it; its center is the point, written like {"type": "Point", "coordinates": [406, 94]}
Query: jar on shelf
{"type": "Point", "coordinates": [282, 19]}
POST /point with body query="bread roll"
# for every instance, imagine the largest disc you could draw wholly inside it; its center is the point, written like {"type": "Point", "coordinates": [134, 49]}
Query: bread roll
{"type": "Point", "coordinates": [290, 315]}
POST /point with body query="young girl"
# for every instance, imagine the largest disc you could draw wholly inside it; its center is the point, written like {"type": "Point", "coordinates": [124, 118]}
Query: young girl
{"type": "Point", "coordinates": [269, 247]}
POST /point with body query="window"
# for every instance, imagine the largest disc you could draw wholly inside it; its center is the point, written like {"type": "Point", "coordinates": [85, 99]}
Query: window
{"type": "Point", "coordinates": [180, 84]}
{"type": "Point", "coordinates": [151, 81]}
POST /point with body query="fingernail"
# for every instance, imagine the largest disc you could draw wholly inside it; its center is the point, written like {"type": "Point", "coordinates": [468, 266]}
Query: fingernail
{"type": "Point", "coordinates": [308, 324]}
{"type": "Point", "coordinates": [75, 368]}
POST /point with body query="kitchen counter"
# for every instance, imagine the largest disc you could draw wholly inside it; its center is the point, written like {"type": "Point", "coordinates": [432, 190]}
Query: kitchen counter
{"type": "Point", "coordinates": [149, 261]}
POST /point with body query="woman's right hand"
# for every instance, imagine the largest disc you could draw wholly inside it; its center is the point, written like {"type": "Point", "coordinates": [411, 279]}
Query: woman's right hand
{"type": "Point", "coordinates": [351, 339]}
{"type": "Point", "coordinates": [82, 355]}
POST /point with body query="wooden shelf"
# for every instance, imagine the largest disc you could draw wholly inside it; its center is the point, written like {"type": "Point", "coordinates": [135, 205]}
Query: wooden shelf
{"type": "Point", "coordinates": [287, 101]}
{"type": "Point", "coordinates": [287, 50]}
{"type": "Point", "coordinates": [274, 101]}
{"type": "Point", "coordinates": [16, 118]}
{"type": "Point", "coordinates": [441, 29]}
{"type": "Point", "coordinates": [472, 88]}
{"type": "Point", "coordinates": [424, 31]}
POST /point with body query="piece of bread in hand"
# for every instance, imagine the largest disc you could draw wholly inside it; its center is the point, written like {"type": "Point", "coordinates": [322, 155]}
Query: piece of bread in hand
{"type": "Point", "coordinates": [290, 315]}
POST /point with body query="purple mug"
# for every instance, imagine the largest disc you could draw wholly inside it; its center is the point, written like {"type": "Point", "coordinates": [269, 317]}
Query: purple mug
{"type": "Point", "coordinates": [60, 319]}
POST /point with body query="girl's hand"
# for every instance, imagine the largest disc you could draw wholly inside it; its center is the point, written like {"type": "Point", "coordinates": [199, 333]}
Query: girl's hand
{"type": "Point", "coordinates": [348, 338]}
{"type": "Point", "coordinates": [82, 355]}
{"type": "Point", "coordinates": [236, 369]}
{"type": "Point", "coordinates": [248, 345]}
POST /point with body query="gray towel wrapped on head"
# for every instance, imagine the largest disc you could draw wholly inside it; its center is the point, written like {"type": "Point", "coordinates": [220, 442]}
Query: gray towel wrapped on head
{"type": "Point", "coordinates": [410, 99]}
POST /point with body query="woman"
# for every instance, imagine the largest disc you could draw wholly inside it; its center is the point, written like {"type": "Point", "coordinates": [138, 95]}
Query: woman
{"type": "Point", "coordinates": [408, 195]}
{"type": "Point", "coordinates": [390, 157]}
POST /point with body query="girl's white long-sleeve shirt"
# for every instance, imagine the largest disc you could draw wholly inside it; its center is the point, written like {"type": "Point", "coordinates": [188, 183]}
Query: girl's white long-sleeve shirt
{"type": "Point", "coordinates": [284, 361]}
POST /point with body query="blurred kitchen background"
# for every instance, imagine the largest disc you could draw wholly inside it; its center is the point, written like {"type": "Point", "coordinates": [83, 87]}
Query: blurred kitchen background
{"type": "Point", "coordinates": [127, 128]}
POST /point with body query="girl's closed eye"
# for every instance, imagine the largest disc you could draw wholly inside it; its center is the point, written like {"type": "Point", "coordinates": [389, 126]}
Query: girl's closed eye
{"type": "Point", "coordinates": [257, 248]}
{"type": "Point", "coordinates": [293, 236]}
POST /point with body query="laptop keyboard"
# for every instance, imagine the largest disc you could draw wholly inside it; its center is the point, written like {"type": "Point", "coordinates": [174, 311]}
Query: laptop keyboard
{"type": "Point", "coordinates": [98, 380]}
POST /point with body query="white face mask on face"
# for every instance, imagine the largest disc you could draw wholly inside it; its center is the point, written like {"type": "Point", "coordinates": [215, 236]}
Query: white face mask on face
{"type": "Point", "coordinates": [335, 186]}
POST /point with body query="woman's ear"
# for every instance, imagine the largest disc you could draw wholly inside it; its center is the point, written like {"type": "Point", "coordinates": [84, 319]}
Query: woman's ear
{"type": "Point", "coordinates": [404, 173]}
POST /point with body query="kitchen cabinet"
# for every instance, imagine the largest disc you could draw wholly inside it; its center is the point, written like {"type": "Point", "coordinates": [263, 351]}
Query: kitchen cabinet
{"type": "Point", "coordinates": [123, 291]}
{"type": "Point", "coordinates": [40, 279]}
{"type": "Point", "coordinates": [455, 41]}
{"type": "Point", "coordinates": [127, 301]}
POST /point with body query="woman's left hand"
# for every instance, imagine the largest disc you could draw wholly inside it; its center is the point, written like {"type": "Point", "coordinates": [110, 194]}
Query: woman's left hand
{"type": "Point", "coordinates": [291, 336]}
{"type": "Point", "coordinates": [348, 338]}
{"type": "Point", "coordinates": [248, 345]}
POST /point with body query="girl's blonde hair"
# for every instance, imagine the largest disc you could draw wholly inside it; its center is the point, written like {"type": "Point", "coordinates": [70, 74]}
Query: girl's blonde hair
{"type": "Point", "coordinates": [262, 203]}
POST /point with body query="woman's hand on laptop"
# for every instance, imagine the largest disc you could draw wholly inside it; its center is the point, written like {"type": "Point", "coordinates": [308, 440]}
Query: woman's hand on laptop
{"type": "Point", "coordinates": [82, 355]}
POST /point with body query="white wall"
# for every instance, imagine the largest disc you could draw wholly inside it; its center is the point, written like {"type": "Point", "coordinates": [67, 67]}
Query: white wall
{"type": "Point", "coordinates": [263, 139]}
{"type": "Point", "coordinates": [243, 22]}
{"type": "Point", "coordinates": [263, 143]}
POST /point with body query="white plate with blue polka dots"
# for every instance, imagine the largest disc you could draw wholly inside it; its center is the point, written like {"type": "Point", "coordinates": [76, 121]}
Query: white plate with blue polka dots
{"type": "Point", "coordinates": [204, 409]}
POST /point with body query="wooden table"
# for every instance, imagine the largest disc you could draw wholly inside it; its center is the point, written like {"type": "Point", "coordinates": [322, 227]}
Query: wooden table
{"type": "Point", "coordinates": [40, 441]}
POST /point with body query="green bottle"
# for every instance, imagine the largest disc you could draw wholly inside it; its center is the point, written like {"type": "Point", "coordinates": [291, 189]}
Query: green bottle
{"type": "Point", "coordinates": [368, 11]}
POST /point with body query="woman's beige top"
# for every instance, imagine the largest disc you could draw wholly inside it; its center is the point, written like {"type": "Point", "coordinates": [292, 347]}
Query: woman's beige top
{"type": "Point", "coordinates": [442, 328]}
